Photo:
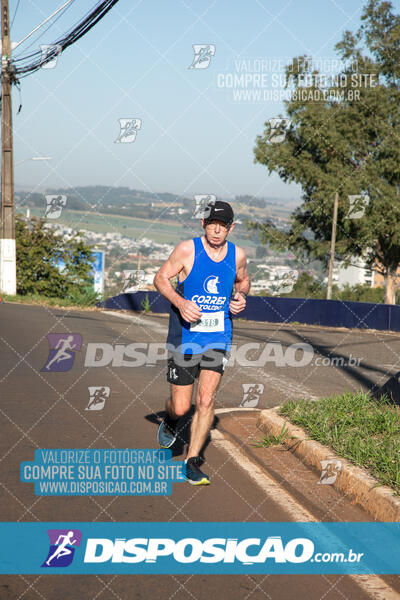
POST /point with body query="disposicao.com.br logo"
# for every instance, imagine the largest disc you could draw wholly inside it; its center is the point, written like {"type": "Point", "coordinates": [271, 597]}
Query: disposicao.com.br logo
{"type": "Point", "coordinates": [191, 550]}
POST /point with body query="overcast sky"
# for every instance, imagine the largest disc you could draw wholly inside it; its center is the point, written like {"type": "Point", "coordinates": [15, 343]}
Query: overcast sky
{"type": "Point", "coordinates": [195, 135]}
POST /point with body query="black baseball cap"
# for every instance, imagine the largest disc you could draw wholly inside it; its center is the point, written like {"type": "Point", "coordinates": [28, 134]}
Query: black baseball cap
{"type": "Point", "coordinates": [221, 211]}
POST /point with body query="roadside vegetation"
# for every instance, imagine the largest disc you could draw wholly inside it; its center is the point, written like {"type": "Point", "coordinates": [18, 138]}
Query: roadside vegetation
{"type": "Point", "coordinates": [51, 270]}
{"type": "Point", "coordinates": [273, 440]}
{"type": "Point", "coordinates": [82, 300]}
{"type": "Point", "coordinates": [356, 427]}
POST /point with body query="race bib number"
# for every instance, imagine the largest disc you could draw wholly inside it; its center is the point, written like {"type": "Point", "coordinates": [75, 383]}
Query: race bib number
{"type": "Point", "coordinates": [209, 322]}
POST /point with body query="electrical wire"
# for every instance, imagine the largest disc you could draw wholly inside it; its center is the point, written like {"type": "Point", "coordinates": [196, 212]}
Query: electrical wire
{"type": "Point", "coordinates": [60, 44]}
{"type": "Point", "coordinates": [15, 12]}
{"type": "Point", "coordinates": [41, 34]}
{"type": "Point", "coordinates": [22, 67]}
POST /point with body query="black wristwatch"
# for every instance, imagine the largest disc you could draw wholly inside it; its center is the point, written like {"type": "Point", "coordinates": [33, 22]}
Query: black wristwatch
{"type": "Point", "coordinates": [244, 293]}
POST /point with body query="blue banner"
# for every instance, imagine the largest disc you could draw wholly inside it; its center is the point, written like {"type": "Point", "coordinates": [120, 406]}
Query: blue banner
{"type": "Point", "coordinates": [329, 313]}
{"type": "Point", "coordinates": [208, 548]}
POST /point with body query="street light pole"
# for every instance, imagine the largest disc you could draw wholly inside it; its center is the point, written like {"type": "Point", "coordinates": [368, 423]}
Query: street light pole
{"type": "Point", "coordinates": [8, 279]}
{"type": "Point", "coordinates": [32, 158]}
{"type": "Point", "coordinates": [333, 242]}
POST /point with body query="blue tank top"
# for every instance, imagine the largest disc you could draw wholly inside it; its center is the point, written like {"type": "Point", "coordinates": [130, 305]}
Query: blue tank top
{"type": "Point", "coordinates": [210, 285]}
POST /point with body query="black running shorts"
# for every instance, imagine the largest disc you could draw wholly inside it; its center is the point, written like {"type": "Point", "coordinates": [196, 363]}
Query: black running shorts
{"type": "Point", "coordinates": [183, 369]}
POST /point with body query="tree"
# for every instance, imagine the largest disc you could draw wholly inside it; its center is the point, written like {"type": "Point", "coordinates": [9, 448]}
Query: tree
{"type": "Point", "coordinates": [39, 250]}
{"type": "Point", "coordinates": [343, 136]}
{"type": "Point", "coordinates": [306, 287]}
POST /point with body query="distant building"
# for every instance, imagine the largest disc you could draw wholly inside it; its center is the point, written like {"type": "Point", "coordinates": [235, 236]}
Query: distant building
{"type": "Point", "coordinates": [356, 273]}
{"type": "Point", "coordinates": [261, 285]}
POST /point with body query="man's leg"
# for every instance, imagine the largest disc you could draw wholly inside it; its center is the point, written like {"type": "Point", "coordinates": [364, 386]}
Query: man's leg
{"type": "Point", "coordinates": [181, 373]}
{"type": "Point", "coordinates": [176, 406]}
{"type": "Point", "coordinates": [204, 415]}
{"type": "Point", "coordinates": [179, 402]}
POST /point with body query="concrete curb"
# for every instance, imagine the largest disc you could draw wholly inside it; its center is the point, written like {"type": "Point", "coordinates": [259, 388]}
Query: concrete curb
{"type": "Point", "coordinates": [353, 481]}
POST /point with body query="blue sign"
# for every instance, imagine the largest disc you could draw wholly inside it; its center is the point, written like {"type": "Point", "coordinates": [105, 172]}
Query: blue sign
{"type": "Point", "coordinates": [96, 272]}
{"type": "Point", "coordinates": [207, 548]}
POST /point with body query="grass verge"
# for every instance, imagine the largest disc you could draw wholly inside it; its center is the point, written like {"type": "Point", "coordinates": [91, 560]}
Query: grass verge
{"type": "Point", "coordinates": [273, 440]}
{"type": "Point", "coordinates": [39, 300]}
{"type": "Point", "coordinates": [362, 430]}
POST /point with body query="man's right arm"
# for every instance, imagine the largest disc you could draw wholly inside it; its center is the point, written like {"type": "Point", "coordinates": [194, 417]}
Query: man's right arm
{"type": "Point", "coordinates": [172, 266]}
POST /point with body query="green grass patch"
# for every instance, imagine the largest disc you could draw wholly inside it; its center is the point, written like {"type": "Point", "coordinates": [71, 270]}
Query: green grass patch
{"type": "Point", "coordinates": [363, 430]}
{"type": "Point", "coordinates": [273, 440]}
{"type": "Point", "coordinates": [82, 300]}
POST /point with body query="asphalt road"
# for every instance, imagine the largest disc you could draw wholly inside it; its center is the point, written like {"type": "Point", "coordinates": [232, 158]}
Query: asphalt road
{"type": "Point", "coordinates": [42, 409]}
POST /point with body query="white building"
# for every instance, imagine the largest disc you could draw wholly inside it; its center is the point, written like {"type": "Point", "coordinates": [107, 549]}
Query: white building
{"type": "Point", "coordinates": [356, 273]}
{"type": "Point", "coordinates": [261, 285]}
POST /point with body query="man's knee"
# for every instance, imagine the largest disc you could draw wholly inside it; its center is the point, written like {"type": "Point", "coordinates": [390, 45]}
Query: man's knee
{"type": "Point", "coordinates": [180, 409]}
{"type": "Point", "coordinates": [179, 404]}
{"type": "Point", "coordinates": [205, 399]}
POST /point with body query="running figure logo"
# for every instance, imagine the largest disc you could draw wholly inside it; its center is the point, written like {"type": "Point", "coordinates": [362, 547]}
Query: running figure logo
{"type": "Point", "coordinates": [172, 373]}
{"type": "Point", "coordinates": [50, 54]}
{"type": "Point", "coordinates": [210, 284]}
{"type": "Point", "coordinates": [62, 547]}
{"type": "Point", "coordinates": [330, 471]}
{"type": "Point", "coordinates": [286, 281]}
{"type": "Point", "coordinates": [203, 203]}
{"type": "Point", "coordinates": [251, 394]}
{"type": "Point", "coordinates": [132, 280]}
{"type": "Point", "coordinates": [62, 351]}
{"type": "Point", "coordinates": [357, 206]}
{"type": "Point", "coordinates": [202, 55]}
{"type": "Point", "coordinates": [98, 396]}
{"type": "Point", "coordinates": [278, 130]}
{"type": "Point", "coordinates": [128, 130]}
{"type": "Point", "coordinates": [54, 206]}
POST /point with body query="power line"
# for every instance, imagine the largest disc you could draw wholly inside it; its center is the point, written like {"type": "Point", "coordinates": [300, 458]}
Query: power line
{"type": "Point", "coordinates": [15, 12]}
{"type": "Point", "coordinates": [35, 41]}
{"type": "Point", "coordinates": [47, 19]}
{"type": "Point", "coordinates": [21, 67]}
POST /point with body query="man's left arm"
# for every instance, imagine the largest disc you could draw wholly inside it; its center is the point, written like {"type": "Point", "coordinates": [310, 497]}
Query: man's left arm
{"type": "Point", "coordinates": [242, 283]}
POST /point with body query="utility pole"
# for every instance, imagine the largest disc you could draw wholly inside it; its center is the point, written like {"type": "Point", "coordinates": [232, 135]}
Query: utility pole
{"type": "Point", "coordinates": [8, 279]}
{"type": "Point", "coordinates": [333, 242]}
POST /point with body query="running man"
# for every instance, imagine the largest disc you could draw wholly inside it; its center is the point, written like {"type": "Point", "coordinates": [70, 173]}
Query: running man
{"type": "Point", "coordinates": [98, 397]}
{"type": "Point", "coordinates": [63, 345]}
{"type": "Point", "coordinates": [62, 549]}
{"type": "Point", "coordinates": [200, 326]}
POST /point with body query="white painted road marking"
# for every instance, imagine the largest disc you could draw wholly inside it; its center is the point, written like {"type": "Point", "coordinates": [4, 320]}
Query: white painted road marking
{"type": "Point", "coordinates": [373, 585]}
